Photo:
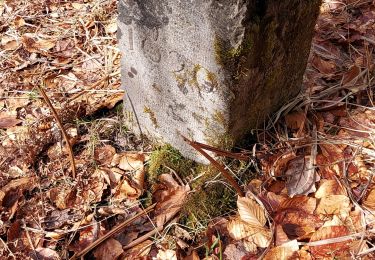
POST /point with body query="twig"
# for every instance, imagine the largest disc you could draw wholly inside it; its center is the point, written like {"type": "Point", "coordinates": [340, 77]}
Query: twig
{"type": "Point", "coordinates": [217, 165]}
{"type": "Point", "coordinates": [115, 230]}
{"type": "Point", "coordinates": [7, 248]}
{"type": "Point", "coordinates": [65, 135]}
{"type": "Point", "coordinates": [238, 156]}
{"type": "Point", "coordinates": [143, 238]}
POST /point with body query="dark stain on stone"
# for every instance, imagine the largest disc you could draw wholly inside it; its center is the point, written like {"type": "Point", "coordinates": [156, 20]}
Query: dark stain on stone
{"type": "Point", "coordinates": [183, 89]}
{"type": "Point", "coordinates": [156, 87]}
{"type": "Point", "coordinates": [151, 13]}
{"type": "Point", "coordinates": [133, 70]}
{"type": "Point", "coordinates": [151, 50]}
{"type": "Point", "coordinates": [119, 32]}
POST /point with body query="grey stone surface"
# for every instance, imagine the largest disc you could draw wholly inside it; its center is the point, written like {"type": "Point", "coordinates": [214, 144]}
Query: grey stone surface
{"type": "Point", "coordinates": [188, 67]}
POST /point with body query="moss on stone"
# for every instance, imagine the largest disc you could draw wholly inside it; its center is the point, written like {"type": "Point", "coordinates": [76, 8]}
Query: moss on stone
{"type": "Point", "coordinates": [167, 156]}
{"type": "Point", "coordinates": [211, 197]}
{"type": "Point", "coordinates": [219, 117]}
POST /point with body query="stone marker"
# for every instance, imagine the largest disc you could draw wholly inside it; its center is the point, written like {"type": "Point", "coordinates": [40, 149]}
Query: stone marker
{"type": "Point", "coordinates": [210, 69]}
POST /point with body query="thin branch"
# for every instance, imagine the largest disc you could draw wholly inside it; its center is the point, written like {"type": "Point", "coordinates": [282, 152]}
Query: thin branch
{"type": "Point", "coordinates": [7, 248]}
{"type": "Point", "coordinates": [238, 156]}
{"type": "Point", "coordinates": [217, 165]}
{"type": "Point", "coordinates": [115, 230]}
{"type": "Point", "coordinates": [59, 123]}
{"type": "Point", "coordinates": [143, 238]}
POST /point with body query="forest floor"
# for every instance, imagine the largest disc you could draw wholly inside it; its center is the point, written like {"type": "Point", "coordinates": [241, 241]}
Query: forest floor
{"type": "Point", "coordinates": [108, 195]}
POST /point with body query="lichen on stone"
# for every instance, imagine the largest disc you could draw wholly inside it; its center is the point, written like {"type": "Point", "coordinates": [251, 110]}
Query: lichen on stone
{"type": "Point", "coordinates": [148, 111]}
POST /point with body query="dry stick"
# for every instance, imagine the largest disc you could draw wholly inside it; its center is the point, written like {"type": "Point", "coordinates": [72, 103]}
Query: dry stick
{"type": "Point", "coordinates": [218, 166]}
{"type": "Point", "coordinates": [7, 248]}
{"type": "Point", "coordinates": [238, 156]}
{"type": "Point", "coordinates": [65, 135]}
{"type": "Point", "coordinates": [115, 230]}
{"type": "Point", "coordinates": [143, 238]}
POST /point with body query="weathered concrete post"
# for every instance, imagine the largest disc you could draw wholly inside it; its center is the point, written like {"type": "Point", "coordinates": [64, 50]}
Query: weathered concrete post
{"type": "Point", "coordinates": [210, 69]}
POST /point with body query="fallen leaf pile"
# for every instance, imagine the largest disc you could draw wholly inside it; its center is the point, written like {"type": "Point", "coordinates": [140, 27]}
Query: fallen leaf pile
{"type": "Point", "coordinates": [314, 196]}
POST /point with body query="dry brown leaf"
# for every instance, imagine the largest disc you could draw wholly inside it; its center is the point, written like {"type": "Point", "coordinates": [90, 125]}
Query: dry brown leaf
{"type": "Point", "coordinates": [334, 153]}
{"type": "Point", "coordinates": [46, 254]}
{"type": "Point", "coordinates": [11, 45]}
{"type": "Point", "coordinates": [351, 74]}
{"type": "Point", "coordinates": [301, 176]}
{"type": "Point", "coordinates": [110, 249]}
{"type": "Point", "coordinates": [271, 200]}
{"type": "Point", "coordinates": [96, 184]}
{"type": "Point", "coordinates": [19, 22]}
{"type": "Point", "coordinates": [261, 239]}
{"type": "Point", "coordinates": [334, 204]}
{"type": "Point", "coordinates": [8, 121]}
{"type": "Point", "coordinates": [325, 67]}
{"type": "Point", "coordinates": [297, 223]}
{"type": "Point", "coordinates": [77, 6]}
{"type": "Point", "coordinates": [369, 200]}
{"type": "Point", "coordinates": [21, 183]}
{"type": "Point", "coordinates": [286, 251]}
{"type": "Point", "coordinates": [126, 191]}
{"type": "Point", "coordinates": [251, 212]}
{"type": "Point", "coordinates": [62, 197]}
{"type": "Point", "coordinates": [170, 204]}
{"type": "Point", "coordinates": [338, 249]}
{"type": "Point", "coordinates": [329, 187]}
{"type": "Point", "coordinates": [295, 120]}
{"type": "Point", "coordinates": [280, 163]}
{"type": "Point", "coordinates": [280, 236]}
{"type": "Point", "coordinates": [238, 229]}
{"type": "Point", "coordinates": [32, 45]}
{"type": "Point", "coordinates": [234, 251]}
{"type": "Point", "coordinates": [128, 161]}
{"type": "Point", "coordinates": [166, 254]}
{"type": "Point", "coordinates": [140, 250]}
{"type": "Point", "coordinates": [194, 255]}
{"type": "Point", "coordinates": [104, 154]}
{"type": "Point", "coordinates": [87, 236]}
{"type": "Point", "coordinates": [305, 203]}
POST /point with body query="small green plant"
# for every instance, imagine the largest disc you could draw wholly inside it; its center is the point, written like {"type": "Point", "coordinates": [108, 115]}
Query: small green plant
{"type": "Point", "coordinates": [215, 244]}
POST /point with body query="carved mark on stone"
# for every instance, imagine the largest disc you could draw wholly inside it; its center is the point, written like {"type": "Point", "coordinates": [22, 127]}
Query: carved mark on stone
{"type": "Point", "coordinates": [131, 75]}
{"type": "Point", "coordinates": [156, 87]}
{"type": "Point", "coordinates": [131, 39]}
